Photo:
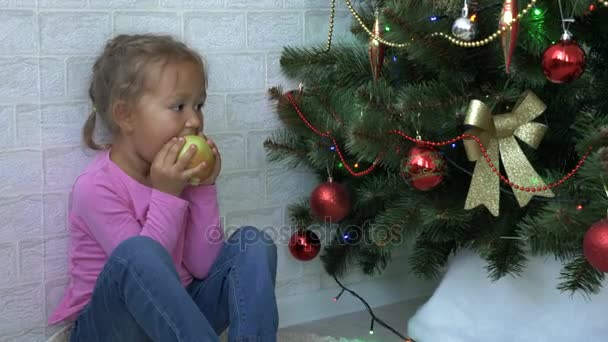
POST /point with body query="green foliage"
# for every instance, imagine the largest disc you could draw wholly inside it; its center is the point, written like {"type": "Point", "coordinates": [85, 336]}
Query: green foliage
{"type": "Point", "coordinates": [425, 88]}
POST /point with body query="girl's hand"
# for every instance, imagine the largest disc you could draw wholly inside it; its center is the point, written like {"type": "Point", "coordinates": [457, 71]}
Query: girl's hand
{"type": "Point", "coordinates": [218, 163]}
{"type": "Point", "coordinates": [170, 174]}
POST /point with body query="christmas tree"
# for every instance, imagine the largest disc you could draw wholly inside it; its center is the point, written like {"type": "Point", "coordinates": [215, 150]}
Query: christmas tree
{"type": "Point", "coordinates": [446, 127]}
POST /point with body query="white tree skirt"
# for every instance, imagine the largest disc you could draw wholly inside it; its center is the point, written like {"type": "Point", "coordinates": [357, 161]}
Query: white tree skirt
{"type": "Point", "coordinates": [468, 307]}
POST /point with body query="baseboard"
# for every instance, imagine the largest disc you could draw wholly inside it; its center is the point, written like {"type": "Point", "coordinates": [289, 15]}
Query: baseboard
{"type": "Point", "coordinates": [384, 291]}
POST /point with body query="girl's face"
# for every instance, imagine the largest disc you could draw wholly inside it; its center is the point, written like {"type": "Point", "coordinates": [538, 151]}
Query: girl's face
{"type": "Point", "coordinates": [171, 108]}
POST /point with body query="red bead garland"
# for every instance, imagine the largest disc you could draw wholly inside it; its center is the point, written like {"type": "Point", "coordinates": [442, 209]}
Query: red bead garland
{"type": "Point", "coordinates": [328, 135]}
{"type": "Point", "coordinates": [436, 144]}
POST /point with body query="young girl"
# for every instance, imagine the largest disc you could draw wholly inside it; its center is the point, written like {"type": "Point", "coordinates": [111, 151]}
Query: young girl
{"type": "Point", "coordinates": [148, 259]}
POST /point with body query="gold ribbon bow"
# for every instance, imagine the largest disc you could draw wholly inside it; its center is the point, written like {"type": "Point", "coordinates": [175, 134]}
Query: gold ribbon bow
{"type": "Point", "coordinates": [497, 134]}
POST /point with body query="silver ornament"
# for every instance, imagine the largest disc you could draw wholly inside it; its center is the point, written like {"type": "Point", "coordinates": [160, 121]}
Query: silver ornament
{"type": "Point", "coordinates": [464, 29]}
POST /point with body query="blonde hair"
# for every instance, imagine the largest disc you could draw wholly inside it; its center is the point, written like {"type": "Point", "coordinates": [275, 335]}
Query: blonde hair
{"type": "Point", "coordinates": [120, 73]}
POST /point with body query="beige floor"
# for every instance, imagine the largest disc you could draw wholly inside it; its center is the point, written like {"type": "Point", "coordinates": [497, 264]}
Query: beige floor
{"type": "Point", "coordinates": [356, 325]}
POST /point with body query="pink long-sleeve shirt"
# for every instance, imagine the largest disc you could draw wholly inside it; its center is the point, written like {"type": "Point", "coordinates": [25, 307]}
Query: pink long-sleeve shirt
{"type": "Point", "coordinates": [107, 206]}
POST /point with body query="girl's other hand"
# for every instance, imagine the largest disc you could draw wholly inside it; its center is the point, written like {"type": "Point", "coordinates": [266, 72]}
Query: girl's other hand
{"type": "Point", "coordinates": [218, 163]}
{"type": "Point", "coordinates": [170, 174]}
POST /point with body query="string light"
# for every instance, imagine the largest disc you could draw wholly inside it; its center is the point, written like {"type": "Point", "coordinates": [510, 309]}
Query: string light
{"type": "Point", "coordinates": [537, 12]}
{"type": "Point", "coordinates": [437, 17]}
{"type": "Point", "coordinates": [371, 312]}
{"type": "Point", "coordinates": [338, 296]}
{"type": "Point", "coordinates": [579, 207]}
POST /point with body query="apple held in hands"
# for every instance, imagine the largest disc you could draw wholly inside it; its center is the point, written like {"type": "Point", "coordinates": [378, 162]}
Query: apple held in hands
{"type": "Point", "coordinates": [203, 154]}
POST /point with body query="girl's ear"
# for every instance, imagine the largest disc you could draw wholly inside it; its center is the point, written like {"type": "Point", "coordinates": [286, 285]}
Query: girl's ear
{"type": "Point", "coordinates": [123, 116]}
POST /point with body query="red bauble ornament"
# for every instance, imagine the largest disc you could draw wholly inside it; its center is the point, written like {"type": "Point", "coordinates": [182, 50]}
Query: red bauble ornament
{"type": "Point", "coordinates": [330, 200]}
{"type": "Point", "coordinates": [595, 246]}
{"type": "Point", "coordinates": [564, 61]}
{"type": "Point", "coordinates": [304, 245]}
{"type": "Point", "coordinates": [424, 168]}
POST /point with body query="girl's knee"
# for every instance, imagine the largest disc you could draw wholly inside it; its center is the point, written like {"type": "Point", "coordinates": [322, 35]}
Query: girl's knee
{"type": "Point", "coordinates": [254, 240]}
{"type": "Point", "coordinates": [141, 248]}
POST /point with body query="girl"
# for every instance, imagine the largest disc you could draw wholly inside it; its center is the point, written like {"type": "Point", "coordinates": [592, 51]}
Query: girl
{"type": "Point", "coordinates": [148, 260]}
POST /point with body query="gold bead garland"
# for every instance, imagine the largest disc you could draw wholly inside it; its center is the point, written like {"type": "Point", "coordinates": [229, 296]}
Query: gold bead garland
{"type": "Point", "coordinates": [452, 40]}
{"type": "Point", "coordinates": [332, 15]}
{"type": "Point", "coordinates": [370, 33]}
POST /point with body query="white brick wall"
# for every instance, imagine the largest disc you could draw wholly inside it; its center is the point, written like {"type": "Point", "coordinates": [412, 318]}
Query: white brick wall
{"type": "Point", "coordinates": [47, 48]}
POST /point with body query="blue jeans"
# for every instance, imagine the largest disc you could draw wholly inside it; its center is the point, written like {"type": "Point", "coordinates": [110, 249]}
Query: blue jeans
{"type": "Point", "coordinates": [138, 295]}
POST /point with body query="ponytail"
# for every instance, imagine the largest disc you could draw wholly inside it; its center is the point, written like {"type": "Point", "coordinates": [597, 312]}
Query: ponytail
{"type": "Point", "coordinates": [88, 130]}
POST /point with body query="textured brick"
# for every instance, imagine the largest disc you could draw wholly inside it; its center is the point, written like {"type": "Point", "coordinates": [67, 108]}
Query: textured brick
{"type": "Point", "coordinates": [232, 148]}
{"type": "Point", "coordinates": [288, 267]}
{"type": "Point", "coordinates": [21, 171]}
{"type": "Point", "coordinates": [55, 289]}
{"type": "Point", "coordinates": [71, 4]}
{"type": "Point", "coordinates": [54, 214]}
{"type": "Point", "coordinates": [250, 111]}
{"type": "Point", "coordinates": [24, 3]}
{"type": "Point", "coordinates": [74, 32]}
{"type": "Point", "coordinates": [31, 264]}
{"type": "Point", "coordinates": [317, 26]}
{"type": "Point", "coordinates": [28, 125]}
{"type": "Point", "coordinates": [312, 4]}
{"type": "Point", "coordinates": [214, 113]}
{"type": "Point", "coordinates": [21, 307]}
{"type": "Point", "coordinates": [294, 286]}
{"type": "Point", "coordinates": [27, 335]}
{"type": "Point", "coordinates": [17, 33]}
{"type": "Point", "coordinates": [240, 190]}
{"type": "Point", "coordinates": [253, 4]}
{"type": "Point", "coordinates": [8, 267]}
{"type": "Point", "coordinates": [353, 276]}
{"type": "Point", "coordinates": [241, 71]}
{"type": "Point", "coordinates": [19, 78]}
{"type": "Point", "coordinates": [274, 75]}
{"type": "Point", "coordinates": [268, 220]}
{"type": "Point", "coordinates": [79, 71]}
{"type": "Point", "coordinates": [192, 3]}
{"type": "Point", "coordinates": [147, 22]}
{"type": "Point", "coordinates": [61, 123]}
{"type": "Point", "coordinates": [21, 217]}
{"type": "Point", "coordinates": [274, 30]}
{"type": "Point", "coordinates": [36, 179]}
{"type": "Point", "coordinates": [52, 79]}
{"type": "Point", "coordinates": [313, 267]}
{"type": "Point", "coordinates": [215, 31]}
{"type": "Point", "coordinates": [256, 154]}
{"type": "Point", "coordinates": [7, 129]}
{"type": "Point", "coordinates": [139, 4]}
{"type": "Point", "coordinates": [287, 186]}
{"type": "Point", "coordinates": [56, 256]}
{"type": "Point", "coordinates": [63, 165]}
